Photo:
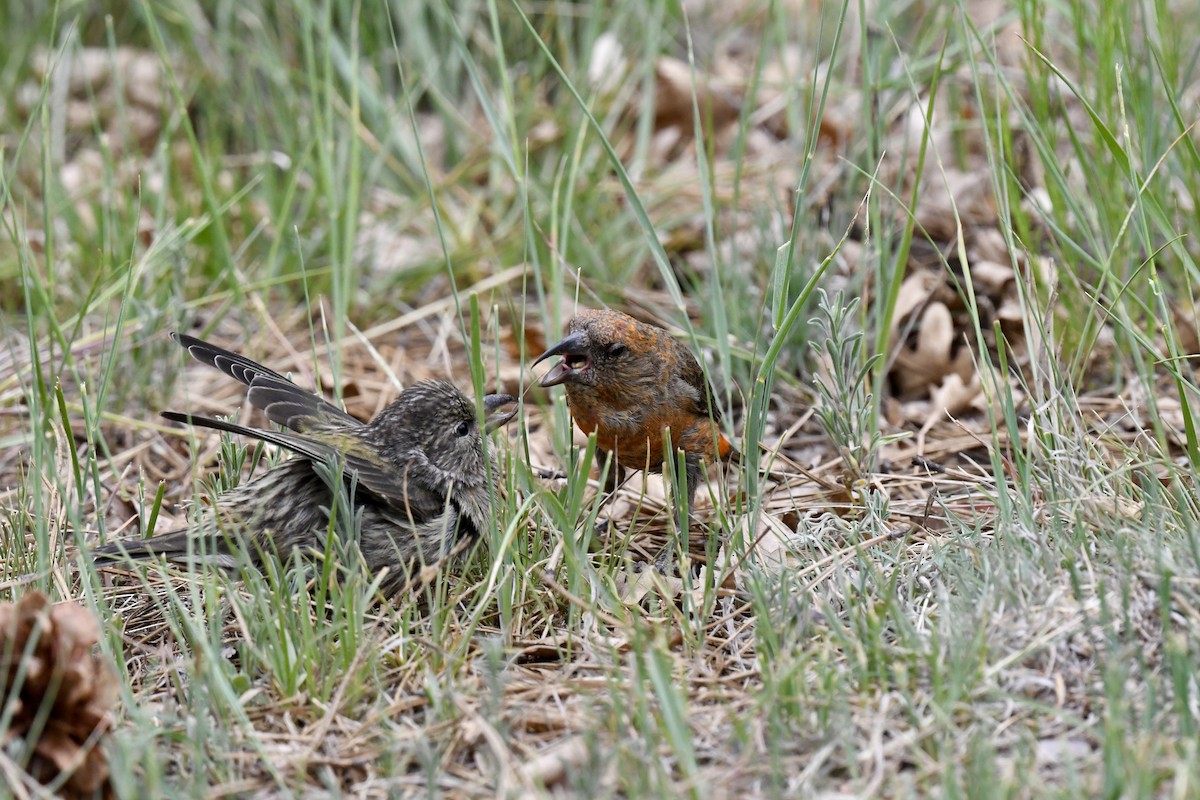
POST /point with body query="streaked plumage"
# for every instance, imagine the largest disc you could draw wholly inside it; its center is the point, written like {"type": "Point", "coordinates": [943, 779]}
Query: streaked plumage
{"type": "Point", "coordinates": [418, 469]}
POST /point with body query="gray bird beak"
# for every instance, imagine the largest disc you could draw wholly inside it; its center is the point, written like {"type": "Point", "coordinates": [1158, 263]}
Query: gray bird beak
{"type": "Point", "coordinates": [491, 403]}
{"type": "Point", "coordinates": [573, 349]}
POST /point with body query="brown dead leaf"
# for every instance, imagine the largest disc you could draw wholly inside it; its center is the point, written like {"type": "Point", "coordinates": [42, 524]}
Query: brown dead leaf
{"type": "Point", "coordinates": [1187, 324]}
{"type": "Point", "coordinates": [953, 197]}
{"type": "Point", "coordinates": [637, 585]}
{"type": "Point", "coordinates": [676, 88]}
{"type": "Point", "coordinates": [775, 541]}
{"type": "Point", "coordinates": [914, 292]}
{"type": "Point", "coordinates": [954, 395]}
{"type": "Point", "coordinates": [991, 277]}
{"type": "Point", "coordinates": [927, 363]}
{"type": "Point", "coordinates": [988, 244]}
{"type": "Point", "coordinates": [553, 765]}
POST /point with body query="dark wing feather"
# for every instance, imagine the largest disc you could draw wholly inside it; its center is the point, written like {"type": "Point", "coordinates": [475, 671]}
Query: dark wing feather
{"type": "Point", "coordinates": [405, 487]}
{"type": "Point", "coordinates": [303, 408]}
{"type": "Point", "coordinates": [693, 376]}
{"type": "Point", "coordinates": [414, 500]}
{"type": "Point", "coordinates": [288, 405]}
{"type": "Point", "coordinates": [382, 479]}
{"type": "Point", "coordinates": [311, 449]}
{"type": "Point", "coordinates": [233, 364]}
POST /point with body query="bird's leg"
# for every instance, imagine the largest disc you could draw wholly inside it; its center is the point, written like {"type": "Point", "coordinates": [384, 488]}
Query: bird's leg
{"type": "Point", "coordinates": [692, 474]}
{"type": "Point", "coordinates": [616, 477]}
{"type": "Point", "coordinates": [616, 473]}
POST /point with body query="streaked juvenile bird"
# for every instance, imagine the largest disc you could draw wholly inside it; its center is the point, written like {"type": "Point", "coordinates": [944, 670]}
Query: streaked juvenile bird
{"type": "Point", "coordinates": [629, 383]}
{"type": "Point", "coordinates": [418, 472]}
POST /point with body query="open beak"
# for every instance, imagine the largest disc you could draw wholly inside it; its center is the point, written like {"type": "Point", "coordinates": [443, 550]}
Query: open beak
{"type": "Point", "coordinates": [573, 351]}
{"type": "Point", "coordinates": [491, 404]}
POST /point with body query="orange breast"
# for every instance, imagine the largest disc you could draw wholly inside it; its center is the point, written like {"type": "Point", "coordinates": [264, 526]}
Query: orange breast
{"type": "Point", "coordinates": [641, 446]}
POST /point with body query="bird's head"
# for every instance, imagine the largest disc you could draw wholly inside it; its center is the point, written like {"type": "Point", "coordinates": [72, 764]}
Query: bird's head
{"type": "Point", "coordinates": [598, 344]}
{"type": "Point", "coordinates": [433, 425]}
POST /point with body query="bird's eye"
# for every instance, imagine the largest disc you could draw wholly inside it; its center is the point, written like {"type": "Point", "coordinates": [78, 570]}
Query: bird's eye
{"type": "Point", "coordinates": [463, 428]}
{"type": "Point", "coordinates": [616, 349]}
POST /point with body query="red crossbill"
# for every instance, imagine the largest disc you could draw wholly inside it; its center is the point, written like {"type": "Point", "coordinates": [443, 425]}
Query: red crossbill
{"type": "Point", "coordinates": [631, 383]}
{"type": "Point", "coordinates": [418, 471]}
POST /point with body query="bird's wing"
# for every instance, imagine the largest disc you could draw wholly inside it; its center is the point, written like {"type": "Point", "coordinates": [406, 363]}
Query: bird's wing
{"type": "Point", "coordinates": [288, 405]}
{"type": "Point", "coordinates": [232, 364]}
{"type": "Point", "coordinates": [306, 446]}
{"type": "Point", "coordinates": [705, 404]}
{"type": "Point", "coordinates": [381, 478]}
{"type": "Point", "coordinates": [285, 402]}
{"type": "Point", "coordinates": [408, 487]}
{"type": "Point", "coordinates": [415, 501]}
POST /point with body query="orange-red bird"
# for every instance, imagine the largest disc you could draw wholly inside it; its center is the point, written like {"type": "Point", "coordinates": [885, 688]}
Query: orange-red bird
{"type": "Point", "coordinates": [629, 383]}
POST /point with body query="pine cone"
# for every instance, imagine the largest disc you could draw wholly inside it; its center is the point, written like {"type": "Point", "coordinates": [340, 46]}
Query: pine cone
{"type": "Point", "coordinates": [46, 659]}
